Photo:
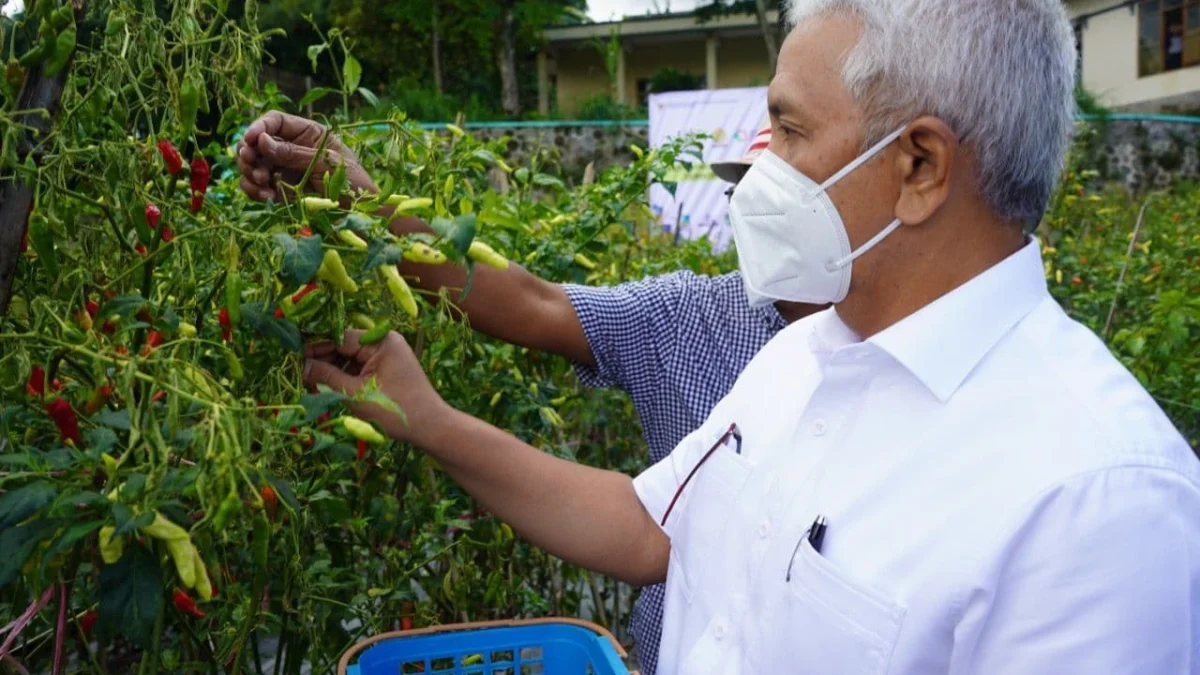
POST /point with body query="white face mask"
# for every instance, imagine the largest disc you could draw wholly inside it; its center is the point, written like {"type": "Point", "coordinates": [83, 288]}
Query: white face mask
{"type": "Point", "coordinates": [791, 242]}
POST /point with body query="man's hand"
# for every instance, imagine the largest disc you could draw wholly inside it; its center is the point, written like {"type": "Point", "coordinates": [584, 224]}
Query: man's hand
{"type": "Point", "coordinates": [597, 520]}
{"type": "Point", "coordinates": [348, 367]}
{"type": "Point", "coordinates": [279, 147]}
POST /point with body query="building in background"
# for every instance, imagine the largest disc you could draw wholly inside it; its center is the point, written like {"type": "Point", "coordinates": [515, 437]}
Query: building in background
{"type": "Point", "coordinates": [621, 58]}
{"type": "Point", "coordinates": [1140, 55]}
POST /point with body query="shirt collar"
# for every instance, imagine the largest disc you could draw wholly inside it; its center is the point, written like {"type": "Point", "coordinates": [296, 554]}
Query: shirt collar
{"type": "Point", "coordinates": [944, 341]}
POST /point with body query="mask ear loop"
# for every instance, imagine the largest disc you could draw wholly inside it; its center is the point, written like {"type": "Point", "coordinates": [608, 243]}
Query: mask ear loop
{"type": "Point", "coordinates": [839, 264]}
{"type": "Point", "coordinates": [863, 158]}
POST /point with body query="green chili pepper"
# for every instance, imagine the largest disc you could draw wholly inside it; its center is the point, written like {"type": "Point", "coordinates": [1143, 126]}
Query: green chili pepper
{"type": "Point", "coordinates": [235, 365]}
{"type": "Point", "coordinates": [189, 103]}
{"type": "Point", "coordinates": [64, 46]}
{"type": "Point", "coordinates": [43, 243]}
{"type": "Point", "coordinates": [228, 508]}
{"type": "Point", "coordinates": [233, 297]}
{"type": "Point", "coordinates": [115, 24]}
{"type": "Point", "coordinates": [376, 333]}
{"type": "Point", "coordinates": [333, 271]}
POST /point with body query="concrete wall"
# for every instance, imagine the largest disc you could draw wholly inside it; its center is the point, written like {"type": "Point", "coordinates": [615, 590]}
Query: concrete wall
{"type": "Point", "coordinates": [742, 62]}
{"type": "Point", "coordinates": [1110, 62]}
{"type": "Point", "coordinates": [580, 74]}
{"type": "Point", "coordinates": [580, 71]}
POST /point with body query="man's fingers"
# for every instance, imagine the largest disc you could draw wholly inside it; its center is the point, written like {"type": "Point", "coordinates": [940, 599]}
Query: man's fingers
{"type": "Point", "coordinates": [322, 372]}
{"type": "Point", "coordinates": [255, 191]}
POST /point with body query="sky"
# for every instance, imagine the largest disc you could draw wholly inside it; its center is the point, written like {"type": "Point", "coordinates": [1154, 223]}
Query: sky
{"type": "Point", "coordinates": [607, 10]}
{"type": "Point", "coordinates": [599, 10]}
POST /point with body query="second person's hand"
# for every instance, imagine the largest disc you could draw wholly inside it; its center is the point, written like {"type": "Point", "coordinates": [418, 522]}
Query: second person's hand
{"type": "Point", "coordinates": [279, 147]}
{"type": "Point", "coordinates": [348, 367]}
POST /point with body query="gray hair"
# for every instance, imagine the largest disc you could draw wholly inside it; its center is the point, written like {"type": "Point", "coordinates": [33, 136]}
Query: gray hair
{"type": "Point", "coordinates": [1000, 73]}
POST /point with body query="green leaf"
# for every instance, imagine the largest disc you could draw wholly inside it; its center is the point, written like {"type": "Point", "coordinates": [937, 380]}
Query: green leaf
{"type": "Point", "coordinates": [380, 253]}
{"type": "Point", "coordinates": [131, 594]}
{"type": "Point", "coordinates": [123, 306]}
{"type": "Point", "coordinates": [460, 231]}
{"type": "Point", "coordinates": [301, 258]}
{"type": "Point", "coordinates": [314, 51]}
{"type": "Point", "coordinates": [19, 504]}
{"type": "Point", "coordinates": [117, 419]}
{"type": "Point", "coordinates": [127, 522]}
{"type": "Point", "coordinates": [100, 439]}
{"type": "Point", "coordinates": [368, 96]}
{"type": "Point", "coordinates": [134, 484]}
{"type": "Point", "coordinates": [73, 534]}
{"type": "Point", "coordinates": [464, 232]}
{"type": "Point", "coordinates": [284, 490]}
{"type": "Point", "coordinates": [358, 222]}
{"type": "Point", "coordinates": [267, 325]}
{"type": "Point", "coordinates": [484, 155]}
{"type": "Point", "coordinates": [351, 73]}
{"type": "Point", "coordinates": [320, 403]}
{"type": "Point", "coordinates": [670, 187]}
{"type": "Point", "coordinates": [384, 401]}
{"type": "Point", "coordinates": [18, 543]}
{"type": "Point", "coordinates": [313, 95]}
{"type": "Point", "coordinates": [546, 180]}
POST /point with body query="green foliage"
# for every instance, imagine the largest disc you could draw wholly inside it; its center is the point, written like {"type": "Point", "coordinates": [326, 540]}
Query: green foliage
{"type": "Point", "coordinates": [672, 79]}
{"type": "Point", "coordinates": [603, 107]}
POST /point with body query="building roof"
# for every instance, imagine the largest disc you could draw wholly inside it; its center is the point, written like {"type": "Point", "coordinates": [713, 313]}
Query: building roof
{"type": "Point", "coordinates": [679, 24]}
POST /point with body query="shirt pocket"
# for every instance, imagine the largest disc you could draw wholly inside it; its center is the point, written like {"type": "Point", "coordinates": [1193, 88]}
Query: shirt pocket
{"type": "Point", "coordinates": [705, 507]}
{"type": "Point", "coordinates": [843, 625]}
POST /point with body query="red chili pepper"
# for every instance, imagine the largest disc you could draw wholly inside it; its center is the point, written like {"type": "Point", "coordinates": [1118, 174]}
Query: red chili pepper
{"type": "Point", "coordinates": [64, 418]}
{"type": "Point", "coordinates": [308, 288]}
{"type": "Point", "coordinates": [144, 316]}
{"type": "Point", "coordinates": [197, 202]}
{"type": "Point", "coordinates": [122, 350]}
{"type": "Point", "coordinates": [92, 307]}
{"type": "Point", "coordinates": [305, 231]}
{"type": "Point", "coordinates": [278, 312]}
{"type": "Point", "coordinates": [36, 386]}
{"type": "Point", "coordinates": [186, 605]}
{"type": "Point", "coordinates": [56, 385]}
{"type": "Point", "coordinates": [324, 416]}
{"type": "Point", "coordinates": [226, 324]}
{"type": "Point", "coordinates": [270, 501]}
{"type": "Point", "coordinates": [141, 250]}
{"type": "Point", "coordinates": [171, 156]}
{"type": "Point", "coordinates": [158, 396]}
{"type": "Point", "coordinates": [153, 339]}
{"type": "Point", "coordinates": [109, 327]}
{"type": "Point", "coordinates": [200, 175]}
{"type": "Point", "coordinates": [167, 234]}
{"type": "Point", "coordinates": [88, 622]}
{"type": "Point", "coordinates": [153, 215]}
{"type": "Point", "coordinates": [361, 449]}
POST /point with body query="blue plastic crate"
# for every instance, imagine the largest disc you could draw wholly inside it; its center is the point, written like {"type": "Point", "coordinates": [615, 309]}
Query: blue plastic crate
{"type": "Point", "coordinates": [531, 648]}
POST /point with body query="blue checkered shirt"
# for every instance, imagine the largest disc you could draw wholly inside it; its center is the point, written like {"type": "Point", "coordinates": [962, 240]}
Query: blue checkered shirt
{"type": "Point", "coordinates": [676, 344]}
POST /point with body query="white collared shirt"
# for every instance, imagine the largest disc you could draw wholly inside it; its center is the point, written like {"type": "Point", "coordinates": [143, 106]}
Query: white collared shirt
{"type": "Point", "coordinates": [1002, 496]}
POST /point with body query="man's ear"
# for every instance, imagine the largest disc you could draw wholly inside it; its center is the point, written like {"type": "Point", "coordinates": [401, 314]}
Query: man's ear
{"type": "Point", "coordinates": [928, 152]}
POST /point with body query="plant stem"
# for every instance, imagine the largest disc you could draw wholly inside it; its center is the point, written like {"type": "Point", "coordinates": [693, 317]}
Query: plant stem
{"type": "Point", "coordinates": [150, 656]}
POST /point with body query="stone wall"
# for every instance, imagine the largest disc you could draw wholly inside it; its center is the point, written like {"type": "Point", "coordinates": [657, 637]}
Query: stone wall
{"type": "Point", "coordinates": [575, 145]}
{"type": "Point", "coordinates": [1142, 152]}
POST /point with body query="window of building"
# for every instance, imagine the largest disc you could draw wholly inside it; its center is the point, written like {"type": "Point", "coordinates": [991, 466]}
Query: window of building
{"type": "Point", "coordinates": [1168, 35]}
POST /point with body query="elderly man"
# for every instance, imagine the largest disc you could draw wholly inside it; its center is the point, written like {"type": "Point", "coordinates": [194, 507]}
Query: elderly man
{"type": "Point", "coordinates": [629, 336]}
{"type": "Point", "coordinates": [943, 473]}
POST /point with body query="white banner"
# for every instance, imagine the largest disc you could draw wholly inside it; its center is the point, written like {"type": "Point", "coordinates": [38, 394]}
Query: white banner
{"type": "Point", "coordinates": [731, 117]}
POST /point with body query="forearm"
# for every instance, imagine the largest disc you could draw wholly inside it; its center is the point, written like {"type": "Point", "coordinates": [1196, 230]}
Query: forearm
{"type": "Point", "coordinates": [511, 304]}
{"type": "Point", "coordinates": [586, 516]}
